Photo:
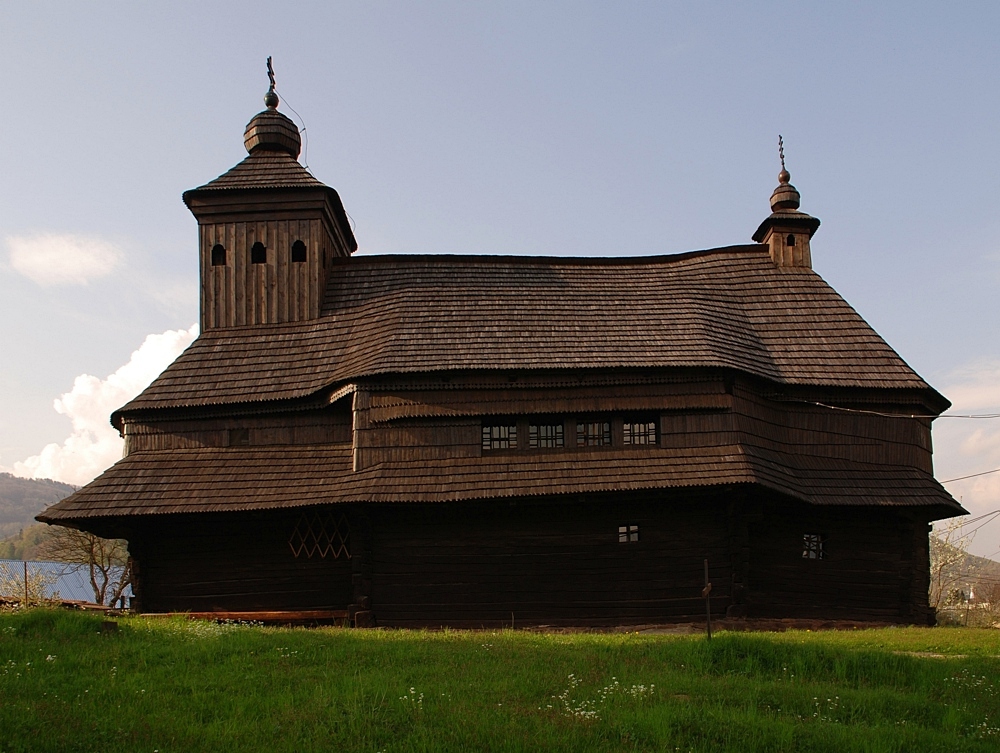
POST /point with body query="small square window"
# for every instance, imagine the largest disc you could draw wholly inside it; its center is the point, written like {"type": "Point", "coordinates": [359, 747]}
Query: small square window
{"type": "Point", "coordinates": [640, 432]}
{"type": "Point", "coordinates": [812, 546]}
{"type": "Point", "coordinates": [628, 534]}
{"type": "Point", "coordinates": [593, 433]}
{"type": "Point", "coordinates": [499, 437]}
{"type": "Point", "coordinates": [545, 436]}
{"type": "Point", "coordinates": [239, 437]}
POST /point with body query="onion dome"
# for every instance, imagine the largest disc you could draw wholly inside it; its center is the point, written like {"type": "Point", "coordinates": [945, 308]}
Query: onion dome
{"type": "Point", "coordinates": [271, 130]}
{"type": "Point", "coordinates": [785, 196]}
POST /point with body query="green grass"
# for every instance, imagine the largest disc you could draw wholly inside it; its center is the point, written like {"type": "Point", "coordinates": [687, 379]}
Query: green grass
{"type": "Point", "coordinates": [175, 685]}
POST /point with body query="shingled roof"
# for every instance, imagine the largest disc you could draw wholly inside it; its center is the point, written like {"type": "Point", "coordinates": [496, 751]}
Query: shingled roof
{"type": "Point", "coordinates": [727, 308]}
{"type": "Point", "coordinates": [262, 169]}
{"type": "Point", "coordinates": [224, 479]}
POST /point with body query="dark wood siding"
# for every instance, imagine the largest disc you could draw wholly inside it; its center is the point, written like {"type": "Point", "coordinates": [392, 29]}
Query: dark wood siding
{"type": "Point", "coordinates": [329, 426]}
{"type": "Point", "coordinates": [238, 562]}
{"type": "Point", "coordinates": [874, 564]}
{"type": "Point", "coordinates": [799, 426]}
{"type": "Point", "coordinates": [554, 564]}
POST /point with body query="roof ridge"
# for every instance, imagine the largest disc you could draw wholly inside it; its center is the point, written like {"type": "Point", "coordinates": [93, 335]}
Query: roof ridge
{"type": "Point", "coordinates": [646, 259]}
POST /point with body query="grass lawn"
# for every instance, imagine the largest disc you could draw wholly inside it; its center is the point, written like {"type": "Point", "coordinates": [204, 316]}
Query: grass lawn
{"type": "Point", "coordinates": [175, 685]}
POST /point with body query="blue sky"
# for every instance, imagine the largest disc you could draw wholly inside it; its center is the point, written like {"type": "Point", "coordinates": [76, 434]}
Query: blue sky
{"type": "Point", "coordinates": [527, 128]}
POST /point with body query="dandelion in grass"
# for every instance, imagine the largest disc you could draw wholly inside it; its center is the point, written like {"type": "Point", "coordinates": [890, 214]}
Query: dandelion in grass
{"type": "Point", "coordinates": [414, 699]}
{"type": "Point", "coordinates": [587, 709]}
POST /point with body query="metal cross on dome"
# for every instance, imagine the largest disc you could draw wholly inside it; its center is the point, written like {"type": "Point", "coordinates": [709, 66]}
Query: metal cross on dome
{"type": "Point", "coordinates": [270, 72]}
{"type": "Point", "coordinates": [781, 142]}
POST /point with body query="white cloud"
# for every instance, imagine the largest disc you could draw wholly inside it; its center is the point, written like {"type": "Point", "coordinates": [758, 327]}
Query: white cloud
{"type": "Point", "coordinates": [94, 444]}
{"type": "Point", "coordinates": [53, 259]}
{"type": "Point", "coordinates": [975, 387]}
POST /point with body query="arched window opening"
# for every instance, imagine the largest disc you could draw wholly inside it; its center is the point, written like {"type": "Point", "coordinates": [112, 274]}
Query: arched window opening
{"type": "Point", "coordinates": [218, 255]}
{"type": "Point", "coordinates": [298, 251]}
{"type": "Point", "coordinates": [790, 240]}
{"type": "Point", "coordinates": [258, 254]}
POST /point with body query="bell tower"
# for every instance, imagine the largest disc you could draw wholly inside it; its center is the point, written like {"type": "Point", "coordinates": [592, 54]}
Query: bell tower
{"type": "Point", "coordinates": [787, 231]}
{"type": "Point", "coordinates": [268, 230]}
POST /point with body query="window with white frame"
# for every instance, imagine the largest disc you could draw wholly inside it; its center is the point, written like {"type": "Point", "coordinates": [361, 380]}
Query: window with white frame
{"type": "Point", "coordinates": [499, 436]}
{"type": "Point", "coordinates": [593, 433]}
{"type": "Point", "coordinates": [548, 435]}
{"type": "Point", "coordinates": [639, 432]}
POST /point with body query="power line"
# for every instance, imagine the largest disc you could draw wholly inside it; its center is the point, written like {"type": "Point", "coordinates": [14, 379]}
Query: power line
{"type": "Point", "coordinates": [978, 518]}
{"type": "Point", "coordinates": [892, 415]}
{"type": "Point", "coordinates": [305, 134]}
{"type": "Point", "coordinates": [993, 514]}
{"type": "Point", "coordinates": [971, 475]}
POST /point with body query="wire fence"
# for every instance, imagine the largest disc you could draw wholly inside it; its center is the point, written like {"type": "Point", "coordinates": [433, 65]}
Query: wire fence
{"type": "Point", "coordinates": [37, 582]}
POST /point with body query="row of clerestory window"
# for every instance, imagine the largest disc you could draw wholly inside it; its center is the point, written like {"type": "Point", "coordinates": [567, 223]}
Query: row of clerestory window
{"type": "Point", "coordinates": [552, 434]}
{"type": "Point", "coordinates": [258, 253]}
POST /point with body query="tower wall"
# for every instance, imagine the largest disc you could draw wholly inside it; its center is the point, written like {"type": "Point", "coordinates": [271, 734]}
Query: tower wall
{"type": "Point", "coordinates": [795, 253]}
{"type": "Point", "coordinates": [241, 292]}
{"type": "Point", "coordinates": [237, 291]}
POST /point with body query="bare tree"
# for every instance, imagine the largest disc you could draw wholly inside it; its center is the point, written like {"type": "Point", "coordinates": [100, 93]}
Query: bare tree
{"type": "Point", "coordinates": [107, 559]}
{"type": "Point", "coordinates": [951, 567]}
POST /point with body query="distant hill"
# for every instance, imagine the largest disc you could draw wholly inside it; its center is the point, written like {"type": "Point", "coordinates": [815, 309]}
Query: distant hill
{"type": "Point", "coordinates": [26, 544]}
{"type": "Point", "coordinates": [984, 573]}
{"type": "Point", "coordinates": [21, 499]}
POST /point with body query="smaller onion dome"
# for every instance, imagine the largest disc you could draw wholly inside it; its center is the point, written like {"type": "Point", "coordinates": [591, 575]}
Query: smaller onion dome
{"type": "Point", "coordinates": [270, 130]}
{"type": "Point", "coordinates": [785, 196]}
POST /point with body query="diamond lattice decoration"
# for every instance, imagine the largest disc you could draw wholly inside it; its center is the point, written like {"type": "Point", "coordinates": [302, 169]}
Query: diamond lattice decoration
{"type": "Point", "coordinates": [320, 534]}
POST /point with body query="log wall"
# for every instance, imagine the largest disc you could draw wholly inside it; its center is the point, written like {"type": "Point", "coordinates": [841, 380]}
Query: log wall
{"type": "Point", "coordinates": [531, 562]}
{"type": "Point", "coordinates": [233, 562]}
{"type": "Point", "coordinates": [799, 427]}
{"type": "Point", "coordinates": [874, 565]}
{"type": "Point", "coordinates": [328, 426]}
{"type": "Point", "coordinates": [553, 564]}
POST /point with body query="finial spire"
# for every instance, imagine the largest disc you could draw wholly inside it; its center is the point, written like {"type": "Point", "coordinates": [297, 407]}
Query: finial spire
{"type": "Point", "coordinates": [784, 176]}
{"type": "Point", "coordinates": [271, 98]}
{"type": "Point", "coordinates": [271, 130]}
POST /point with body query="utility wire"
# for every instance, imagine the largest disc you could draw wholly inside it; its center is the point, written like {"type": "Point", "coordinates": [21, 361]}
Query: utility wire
{"type": "Point", "coordinates": [891, 415]}
{"type": "Point", "coordinates": [995, 513]}
{"type": "Point", "coordinates": [971, 475]}
{"type": "Point", "coordinates": [978, 518]}
{"type": "Point", "coordinates": [305, 134]}
{"type": "Point", "coordinates": [905, 415]}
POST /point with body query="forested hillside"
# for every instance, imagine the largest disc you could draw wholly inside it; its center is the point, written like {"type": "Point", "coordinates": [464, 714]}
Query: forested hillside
{"type": "Point", "coordinates": [21, 499]}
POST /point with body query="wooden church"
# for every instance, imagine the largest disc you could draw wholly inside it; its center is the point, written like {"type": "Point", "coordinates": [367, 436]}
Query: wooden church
{"type": "Point", "coordinates": [494, 440]}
